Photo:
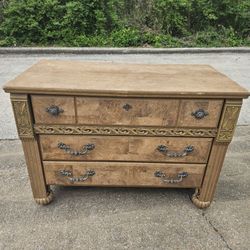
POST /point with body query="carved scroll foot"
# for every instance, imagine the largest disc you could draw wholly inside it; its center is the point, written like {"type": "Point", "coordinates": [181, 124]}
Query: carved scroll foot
{"type": "Point", "coordinates": [46, 200]}
{"type": "Point", "coordinates": [197, 202]}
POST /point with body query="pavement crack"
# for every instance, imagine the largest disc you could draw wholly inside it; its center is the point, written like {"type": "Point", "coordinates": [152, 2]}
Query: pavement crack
{"type": "Point", "coordinates": [217, 231]}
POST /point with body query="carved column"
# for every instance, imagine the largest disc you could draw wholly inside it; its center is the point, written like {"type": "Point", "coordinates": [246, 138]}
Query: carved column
{"type": "Point", "coordinates": [24, 123]}
{"type": "Point", "coordinates": [204, 195]}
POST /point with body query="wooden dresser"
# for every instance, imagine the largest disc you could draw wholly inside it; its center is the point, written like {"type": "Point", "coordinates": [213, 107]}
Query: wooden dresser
{"type": "Point", "coordinates": [127, 125]}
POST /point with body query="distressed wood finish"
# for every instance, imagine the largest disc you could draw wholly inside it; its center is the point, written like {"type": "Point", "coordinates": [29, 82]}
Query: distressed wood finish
{"type": "Point", "coordinates": [41, 102]}
{"type": "Point", "coordinates": [21, 108]}
{"type": "Point", "coordinates": [123, 174]}
{"type": "Point", "coordinates": [41, 192]}
{"type": "Point", "coordinates": [122, 148]}
{"type": "Point", "coordinates": [204, 196]}
{"type": "Point", "coordinates": [127, 111]}
{"type": "Point", "coordinates": [187, 107]}
{"type": "Point", "coordinates": [119, 79]}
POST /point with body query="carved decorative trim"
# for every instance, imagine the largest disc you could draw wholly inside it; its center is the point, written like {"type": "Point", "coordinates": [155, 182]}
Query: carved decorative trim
{"type": "Point", "coordinates": [46, 200]}
{"type": "Point", "coordinates": [22, 116]}
{"type": "Point", "coordinates": [228, 122]}
{"type": "Point", "coordinates": [109, 130]}
{"type": "Point", "coordinates": [197, 202]}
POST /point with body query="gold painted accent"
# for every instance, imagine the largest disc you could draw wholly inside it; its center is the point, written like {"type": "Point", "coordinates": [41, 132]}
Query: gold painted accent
{"type": "Point", "coordinates": [22, 116]}
{"type": "Point", "coordinates": [228, 122]}
{"type": "Point", "coordinates": [197, 202]}
{"type": "Point", "coordinates": [109, 130]}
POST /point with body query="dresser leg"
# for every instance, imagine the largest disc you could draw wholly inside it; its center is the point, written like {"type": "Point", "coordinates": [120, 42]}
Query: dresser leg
{"type": "Point", "coordinates": [203, 196]}
{"type": "Point", "coordinates": [23, 116]}
{"type": "Point", "coordinates": [41, 192]}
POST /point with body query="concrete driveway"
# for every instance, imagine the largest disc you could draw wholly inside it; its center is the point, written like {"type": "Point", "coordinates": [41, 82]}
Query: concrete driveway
{"type": "Point", "coordinates": [119, 218]}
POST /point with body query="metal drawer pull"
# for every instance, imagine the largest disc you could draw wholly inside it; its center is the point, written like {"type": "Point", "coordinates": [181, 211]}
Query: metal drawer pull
{"type": "Point", "coordinates": [81, 178]}
{"type": "Point", "coordinates": [65, 172]}
{"type": "Point", "coordinates": [200, 113]}
{"type": "Point", "coordinates": [85, 149]}
{"type": "Point", "coordinates": [54, 110]}
{"type": "Point", "coordinates": [164, 149]}
{"type": "Point", "coordinates": [127, 107]}
{"type": "Point", "coordinates": [166, 178]}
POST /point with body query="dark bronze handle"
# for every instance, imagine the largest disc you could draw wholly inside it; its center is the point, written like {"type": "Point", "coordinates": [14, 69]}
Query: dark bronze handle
{"type": "Point", "coordinates": [127, 107]}
{"type": "Point", "coordinates": [200, 113]}
{"type": "Point", "coordinates": [166, 178]}
{"type": "Point", "coordinates": [81, 178]}
{"type": "Point", "coordinates": [85, 149]}
{"type": "Point", "coordinates": [164, 149]}
{"type": "Point", "coordinates": [54, 110]}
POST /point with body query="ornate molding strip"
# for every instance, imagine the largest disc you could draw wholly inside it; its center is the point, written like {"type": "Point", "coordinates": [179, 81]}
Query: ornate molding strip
{"type": "Point", "coordinates": [22, 116]}
{"type": "Point", "coordinates": [228, 122]}
{"type": "Point", "coordinates": [110, 130]}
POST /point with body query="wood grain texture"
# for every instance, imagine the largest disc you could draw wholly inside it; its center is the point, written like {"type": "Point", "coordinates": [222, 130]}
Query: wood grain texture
{"type": "Point", "coordinates": [161, 99]}
{"type": "Point", "coordinates": [111, 111]}
{"type": "Point", "coordinates": [123, 148]}
{"type": "Point", "coordinates": [187, 107]}
{"type": "Point", "coordinates": [123, 174]}
{"type": "Point", "coordinates": [41, 102]}
{"type": "Point", "coordinates": [215, 163]}
{"type": "Point", "coordinates": [92, 78]}
{"type": "Point", "coordinates": [35, 169]}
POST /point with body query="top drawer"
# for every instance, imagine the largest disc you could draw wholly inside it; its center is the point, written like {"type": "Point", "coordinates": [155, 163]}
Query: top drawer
{"type": "Point", "coordinates": [200, 113]}
{"type": "Point", "coordinates": [53, 109]}
{"type": "Point", "coordinates": [127, 111]}
{"type": "Point", "coordinates": [149, 112]}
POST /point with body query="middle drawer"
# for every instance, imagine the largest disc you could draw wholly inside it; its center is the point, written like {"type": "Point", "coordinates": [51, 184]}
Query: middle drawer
{"type": "Point", "coordinates": [125, 148]}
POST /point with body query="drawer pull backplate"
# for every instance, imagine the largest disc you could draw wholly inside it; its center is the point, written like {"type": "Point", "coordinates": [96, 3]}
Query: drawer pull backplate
{"type": "Point", "coordinates": [127, 107]}
{"type": "Point", "coordinates": [85, 149]}
{"type": "Point", "coordinates": [54, 110]}
{"type": "Point", "coordinates": [166, 179]}
{"type": "Point", "coordinates": [200, 113]}
{"type": "Point", "coordinates": [81, 178]}
{"type": "Point", "coordinates": [164, 149]}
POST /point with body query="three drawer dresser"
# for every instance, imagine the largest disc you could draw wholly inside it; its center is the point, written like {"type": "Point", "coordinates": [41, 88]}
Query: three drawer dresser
{"type": "Point", "coordinates": [126, 125]}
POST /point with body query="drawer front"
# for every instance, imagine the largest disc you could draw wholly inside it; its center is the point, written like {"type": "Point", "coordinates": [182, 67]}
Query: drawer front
{"type": "Point", "coordinates": [123, 174]}
{"type": "Point", "coordinates": [124, 148]}
{"type": "Point", "coordinates": [199, 113]}
{"type": "Point", "coordinates": [127, 111]}
{"type": "Point", "coordinates": [53, 109]}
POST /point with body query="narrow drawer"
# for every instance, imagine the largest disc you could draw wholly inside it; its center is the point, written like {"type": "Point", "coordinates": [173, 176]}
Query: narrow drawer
{"type": "Point", "coordinates": [53, 109]}
{"type": "Point", "coordinates": [123, 174]}
{"type": "Point", "coordinates": [199, 113]}
{"type": "Point", "coordinates": [125, 148]}
{"type": "Point", "coordinates": [127, 111]}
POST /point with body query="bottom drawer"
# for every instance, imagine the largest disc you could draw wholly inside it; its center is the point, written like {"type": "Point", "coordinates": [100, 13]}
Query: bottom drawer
{"type": "Point", "coordinates": [123, 174]}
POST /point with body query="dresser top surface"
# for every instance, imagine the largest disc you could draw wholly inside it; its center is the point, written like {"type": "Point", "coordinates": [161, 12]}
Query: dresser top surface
{"type": "Point", "coordinates": [105, 78]}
